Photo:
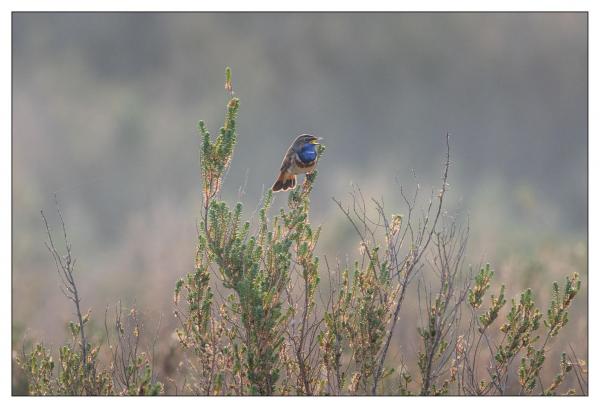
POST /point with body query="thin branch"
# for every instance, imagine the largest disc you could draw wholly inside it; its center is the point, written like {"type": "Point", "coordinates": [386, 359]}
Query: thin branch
{"type": "Point", "coordinates": [410, 267]}
{"type": "Point", "coordinates": [65, 267]}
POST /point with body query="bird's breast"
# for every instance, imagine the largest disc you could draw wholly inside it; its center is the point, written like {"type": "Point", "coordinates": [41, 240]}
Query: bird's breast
{"type": "Point", "coordinates": [298, 166]}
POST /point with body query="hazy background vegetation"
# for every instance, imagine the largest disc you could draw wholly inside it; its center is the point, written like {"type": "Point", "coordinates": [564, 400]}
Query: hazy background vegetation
{"type": "Point", "coordinates": [105, 108]}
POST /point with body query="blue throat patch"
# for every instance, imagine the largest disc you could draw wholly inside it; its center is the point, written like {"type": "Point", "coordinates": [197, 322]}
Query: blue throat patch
{"type": "Point", "coordinates": [308, 153]}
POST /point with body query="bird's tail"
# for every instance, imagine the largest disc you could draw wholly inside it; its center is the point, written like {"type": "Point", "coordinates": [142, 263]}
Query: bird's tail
{"type": "Point", "coordinates": [284, 182]}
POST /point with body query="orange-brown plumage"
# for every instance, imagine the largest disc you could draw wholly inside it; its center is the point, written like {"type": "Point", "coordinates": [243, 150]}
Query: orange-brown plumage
{"type": "Point", "coordinates": [285, 181]}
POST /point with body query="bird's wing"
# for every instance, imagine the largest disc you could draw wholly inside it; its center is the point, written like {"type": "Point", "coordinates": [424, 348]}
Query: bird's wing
{"type": "Point", "coordinates": [287, 162]}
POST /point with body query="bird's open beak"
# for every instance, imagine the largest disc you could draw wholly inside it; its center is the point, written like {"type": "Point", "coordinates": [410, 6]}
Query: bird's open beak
{"type": "Point", "coordinates": [317, 140]}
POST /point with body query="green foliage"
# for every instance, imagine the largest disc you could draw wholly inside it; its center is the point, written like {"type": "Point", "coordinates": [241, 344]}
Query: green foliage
{"type": "Point", "coordinates": [565, 368]}
{"type": "Point", "coordinates": [130, 373]}
{"type": "Point", "coordinates": [215, 156]}
{"type": "Point", "coordinates": [532, 363]}
{"type": "Point", "coordinates": [144, 384]}
{"type": "Point", "coordinates": [521, 336]}
{"type": "Point", "coordinates": [490, 315]}
{"type": "Point", "coordinates": [39, 367]}
{"type": "Point", "coordinates": [482, 284]}
{"type": "Point", "coordinates": [69, 378]}
{"type": "Point", "coordinates": [522, 322]}
{"type": "Point", "coordinates": [557, 315]}
{"type": "Point", "coordinates": [359, 320]}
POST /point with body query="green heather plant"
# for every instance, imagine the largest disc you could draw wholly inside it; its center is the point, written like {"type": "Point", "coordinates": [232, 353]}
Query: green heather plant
{"type": "Point", "coordinates": [239, 343]}
{"type": "Point", "coordinates": [262, 314]}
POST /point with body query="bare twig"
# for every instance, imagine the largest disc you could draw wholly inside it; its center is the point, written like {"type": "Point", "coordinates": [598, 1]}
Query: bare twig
{"type": "Point", "coordinates": [411, 260]}
{"type": "Point", "coordinates": [65, 266]}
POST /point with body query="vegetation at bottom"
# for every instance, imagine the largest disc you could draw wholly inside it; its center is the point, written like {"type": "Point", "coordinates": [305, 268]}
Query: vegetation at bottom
{"type": "Point", "coordinates": [263, 314]}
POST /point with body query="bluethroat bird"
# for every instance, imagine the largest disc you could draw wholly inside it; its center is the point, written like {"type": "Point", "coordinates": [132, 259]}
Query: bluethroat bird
{"type": "Point", "coordinates": [300, 158]}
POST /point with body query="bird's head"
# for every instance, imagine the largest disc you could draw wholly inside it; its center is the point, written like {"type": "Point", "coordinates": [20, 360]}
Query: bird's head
{"type": "Point", "coordinates": [304, 140]}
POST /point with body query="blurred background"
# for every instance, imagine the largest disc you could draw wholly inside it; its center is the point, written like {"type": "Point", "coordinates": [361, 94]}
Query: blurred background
{"type": "Point", "coordinates": [105, 108]}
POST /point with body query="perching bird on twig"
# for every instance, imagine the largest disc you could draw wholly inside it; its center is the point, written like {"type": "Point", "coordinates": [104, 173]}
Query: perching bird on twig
{"type": "Point", "coordinates": [300, 158]}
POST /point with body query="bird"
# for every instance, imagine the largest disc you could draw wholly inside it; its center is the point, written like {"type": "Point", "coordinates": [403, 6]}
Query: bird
{"type": "Point", "coordinates": [300, 158]}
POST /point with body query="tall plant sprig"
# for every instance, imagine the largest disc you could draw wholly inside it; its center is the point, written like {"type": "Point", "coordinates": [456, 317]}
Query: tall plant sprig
{"type": "Point", "coordinates": [201, 329]}
{"type": "Point", "coordinates": [254, 266]}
